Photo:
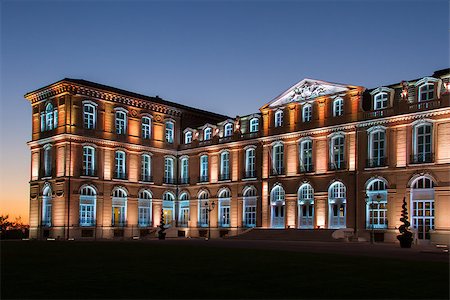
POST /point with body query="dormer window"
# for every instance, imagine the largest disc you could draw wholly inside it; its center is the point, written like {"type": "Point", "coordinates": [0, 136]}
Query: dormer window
{"type": "Point", "coordinates": [188, 137]}
{"type": "Point", "coordinates": [426, 92]}
{"type": "Point", "coordinates": [380, 101]}
{"type": "Point", "coordinates": [278, 118]}
{"type": "Point", "coordinates": [207, 134]}
{"type": "Point", "coordinates": [254, 125]}
{"type": "Point", "coordinates": [338, 107]}
{"type": "Point", "coordinates": [228, 130]}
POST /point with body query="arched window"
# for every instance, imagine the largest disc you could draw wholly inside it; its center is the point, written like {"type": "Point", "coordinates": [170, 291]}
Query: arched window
{"type": "Point", "coordinates": [168, 170]}
{"type": "Point", "coordinates": [337, 205]}
{"type": "Point", "coordinates": [49, 119]}
{"type": "Point", "coordinates": [337, 152]}
{"type": "Point", "coordinates": [225, 165]}
{"type": "Point", "coordinates": [277, 200]}
{"type": "Point", "coordinates": [250, 161]}
{"type": "Point", "coordinates": [380, 100]}
{"type": "Point", "coordinates": [207, 133]}
{"type": "Point", "coordinates": [146, 168]}
{"type": "Point", "coordinates": [307, 113]}
{"type": "Point", "coordinates": [422, 143]}
{"type": "Point", "coordinates": [88, 198]}
{"type": "Point", "coordinates": [204, 168]}
{"type": "Point", "coordinates": [422, 203]}
{"type": "Point", "coordinates": [89, 114]}
{"type": "Point", "coordinates": [254, 125]}
{"type": "Point", "coordinates": [377, 148]}
{"type": "Point", "coordinates": [376, 204]}
{"type": "Point", "coordinates": [278, 159]}
{"type": "Point", "coordinates": [168, 207]}
{"type": "Point", "coordinates": [183, 217]}
{"type": "Point", "coordinates": [121, 121]}
{"type": "Point", "coordinates": [338, 107]}
{"type": "Point", "coordinates": [144, 208]}
{"type": "Point", "coordinates": [89, 161]}
{"type": "Point", "coordinates": [120, 169]}
{"type": "Point", "coordinates": [249, 209]}
{"type": "Point", "coordinates": [188, 137]}
{"type": "Point", "coordinates": [146, 127]}
{"type": "Point", "coordinates": [228, 130]}
{"type": "Point", "coordinates": [203, 213]}
{"type": "Point", "coordinates": [48, 160]}
{"type": "Point", "coordinates": [306, 152]}
{"type": "Point", "coordinates": [184, 170]}
{"type": "Point", "coordinates": [279, 118]}
{"type": "Point", "coordinates": [224, 208]}
{"type": "Point", "coordinates": [306, 206]}
{"type": "Point", "coordinates": [119, 207]}
{"type": "Point", "coordinates": [169, 131]}
{"type": "Point", "coordinates": [426, 92]}
{"type": "Point", "coordinates": [47, 206]}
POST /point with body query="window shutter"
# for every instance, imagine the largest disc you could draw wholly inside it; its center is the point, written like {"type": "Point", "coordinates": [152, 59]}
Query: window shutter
{"type": "Point", "coordinates": [42, 121]}
{"type": "Point", "coordinates": [55, 118]}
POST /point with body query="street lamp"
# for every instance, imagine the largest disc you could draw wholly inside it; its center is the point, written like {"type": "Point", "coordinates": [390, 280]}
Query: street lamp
{"type": "Point", "coordinates": [209, 207]}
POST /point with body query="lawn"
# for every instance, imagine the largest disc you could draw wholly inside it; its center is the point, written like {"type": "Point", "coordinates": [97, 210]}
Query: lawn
{"type": "Point", "coordinates": [157, 270]}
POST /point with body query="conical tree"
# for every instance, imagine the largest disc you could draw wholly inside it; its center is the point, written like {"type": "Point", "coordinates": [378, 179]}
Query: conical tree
{"type": "Point", "coordinates": [405, 236]}
{"type": "Point", "coordinates": [161, 233]}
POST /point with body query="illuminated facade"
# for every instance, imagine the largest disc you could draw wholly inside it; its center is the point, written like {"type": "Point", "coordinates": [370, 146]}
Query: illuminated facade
{"type": "Point", "coordinates": [108, 163]}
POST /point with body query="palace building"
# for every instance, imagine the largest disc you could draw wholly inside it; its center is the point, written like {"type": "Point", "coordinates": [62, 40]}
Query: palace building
{"type": "Point", "coordinates": [109, 163]}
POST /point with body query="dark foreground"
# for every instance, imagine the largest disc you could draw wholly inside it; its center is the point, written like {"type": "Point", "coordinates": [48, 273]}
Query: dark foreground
{"type": "Point", "coordinates": [167, 269]}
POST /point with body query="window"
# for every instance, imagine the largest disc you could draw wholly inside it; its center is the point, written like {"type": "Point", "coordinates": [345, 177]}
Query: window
{"type": "Point", "coordinates": [144, 208]}
{"type": "Point", "coordinates": [168, 170]}
{"type": "Point", "coordinates": [225, 165]}
{"type": "Point", "coordinates": [306, 206]}
{"type": "Point", "coordinates": [89, 115]}
{"type": "Point", "coordinates": [183, 216]}
{"type": "Point", "coordinates": [48, 160]}
{"type": "Point", "coordinates": [426, 92]}
{"type": "Point", "coordinates": [120, 172]}
{"type": "Point", "coordinates": [277, 200]}
{"type": "Point", "coordinates": [168, 207]}
{"type": "Point", "coordinates": [146, 168]}
{"type": "Point", "coordinates": [376, 148]}
{"type": "Point", "coordinates": [249, 211]}
{"type": "Point", "coordinates": [188, 137]}
{"type": "Point", "coordinates": [278, 118]}
{"type": "Point", "coordinates": [338, 107]}
{"type": "Point", "coordinates": [121, 122]}
{"type": "Point", "coordinates": [203, 213]}
{"type": "Point", "coordinates": [254, 125]}
{"type": "Point", "coordinates": [278, 159]}
{"type": "Point", "coordinates": [381, 100]}
{"type": "Point", "coordinates": [337, 153]}
{"type": "Point", "coordinates": [207, 133]}
{"type": "Point", "coordinates": [49, 118]}
{"type": "Point", "coordinates": [305, 159]}
{"type": "Point", "coordinates": [88, 197]}
{"type": "Point", "coordinates": [423, 209]}
{"type": "Point", "coordinates": [422, 144]}
{"type": "Point", "coordinates": [169, 131]}
{"type": "Point", "coordinates": [88, 161]}
{"type": "Point", "coordinates": [376, 205]}
{"type": "Point", "coordinates": [146, 127]}
{"type": "Point", "coordinates": [228, 130]}
{"type": "Point", "coordinates": [184, 172]}
{"type": "Point", "coordinates": [119, 207]}
{"type": "Point", "coordinates": [203, 168]}
{"type": "Point", "coordinates": [250, 163]}
{"type": "Point", "coordinates": [337, 205]}
{"type": "Point", "coordinates": [224, 208]}
{"type": "Point", "coordinates": [307, 113]}
{"type": "Point", "coordinates": [46, 206]}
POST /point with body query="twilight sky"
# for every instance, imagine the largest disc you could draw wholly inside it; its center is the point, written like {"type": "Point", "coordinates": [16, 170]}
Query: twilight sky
{"type": "Point", "coordinates": [230, 57]}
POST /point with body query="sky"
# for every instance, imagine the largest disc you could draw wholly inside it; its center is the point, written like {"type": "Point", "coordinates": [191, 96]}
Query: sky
{"type": "Point", "coordinates": [230, 57]}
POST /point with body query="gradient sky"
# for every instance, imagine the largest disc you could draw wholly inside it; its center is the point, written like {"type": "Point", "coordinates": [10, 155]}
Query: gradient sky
{"type": "Point", "coordinates": [230, 57]}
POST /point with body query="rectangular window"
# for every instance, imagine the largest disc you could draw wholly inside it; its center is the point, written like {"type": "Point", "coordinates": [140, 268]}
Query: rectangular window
{"type": "Point", "coordinates": [89, 116]}
{"type": "Point", "coordinates": [203, 168]}
{"type": "Point", "coordinates": [146, 168]}
{"type": "Point", "coordinates": [184, 171]}
{"type": "Point", "coordinates": [146, 127]}
{"type": "Point", "coordinates": [120, 165]}
{"type": "Point", "coordinates": [121, 122]}
{"type": "Point", "coordinates": [169, 132]}
{"type": "Point", "coordinates": [279, 118]}
{"type": "Point", "coordinates": [250, 215]}
{"type": "Point", "coordinates": [306, 164]}
{"type": "Point", "coordinates": [254, 125]}
{"type": "Point", "coordinates": [307, 113]}
{"type": "Point", "coordinates": [250, 163]}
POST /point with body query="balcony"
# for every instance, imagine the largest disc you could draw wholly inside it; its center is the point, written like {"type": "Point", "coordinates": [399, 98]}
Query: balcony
{"type": "Point", "coordinates": [425, 105]}
{"type": "Point", "coordinates": [223, 177]}
{"type": "Point", "coordinates": [306, 168]}
{"type": "Point", "coordinates": [335, 166]}
{"type": "Point", "coordinates": [88, 172]}
{"type": "Point", "coordinates": [251, 135]}
{"type": "Point", "coordinates": [120, 175]}
{"type": "Point", "coordinates": [277, 171]}
{"type": "Point", "coordinates": [169, 180]}
{"type": "Point", "coordinates": [203, 179]}
{"type": "Point", "coordinates": [184, 180]}
{"type": "Point", "coordinates": [422, 158]}
{"type": "Point", "coordinates": [376, 162]}
{"type": "Point", "coordinates": [146, 178]}
{"type": "Point", "coordinates": [378, 113]}
{"type": "Point", "coordinates": [249, 174]}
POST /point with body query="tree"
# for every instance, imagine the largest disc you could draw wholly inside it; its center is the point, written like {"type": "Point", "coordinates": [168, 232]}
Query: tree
{"type": "Point", "coordinates": [405, 236]}
{"type": "Point", "coordinates": [161, 233]}
{"type": "Point", "coordinates": [4, 222]}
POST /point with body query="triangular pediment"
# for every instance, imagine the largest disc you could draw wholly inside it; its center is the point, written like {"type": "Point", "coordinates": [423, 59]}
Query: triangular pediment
{"type": "Point", "coordinates": [306, 90]}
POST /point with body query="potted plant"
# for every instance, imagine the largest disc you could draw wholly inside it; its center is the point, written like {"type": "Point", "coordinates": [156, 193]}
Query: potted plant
{"type": "Point", "coordinates": [161, 233]}
{"type": "Point", "coordinates": [405, 236]}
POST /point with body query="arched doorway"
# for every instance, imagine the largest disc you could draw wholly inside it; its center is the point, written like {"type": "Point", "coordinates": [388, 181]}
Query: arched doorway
{"type": "Point", "coordinates": [277, 200]}
{"type": "Point", "coordinates": [168, 207]}
{"type": "Point", "coordinates": [306, 206]}
{"type": "Point", "coordinates": [337, 205]}
{"type": "Point", "coordinates": [422, 203]}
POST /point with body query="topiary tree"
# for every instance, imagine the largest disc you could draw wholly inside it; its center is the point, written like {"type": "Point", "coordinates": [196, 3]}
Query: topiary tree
{"type": "Point", "coordinates": [161, 233]}
{"type": "Point", "coordinates": [405, 236]}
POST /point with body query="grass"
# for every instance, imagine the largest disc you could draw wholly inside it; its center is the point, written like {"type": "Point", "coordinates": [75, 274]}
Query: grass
{"type": "Point", "coordinates": [152, 270]}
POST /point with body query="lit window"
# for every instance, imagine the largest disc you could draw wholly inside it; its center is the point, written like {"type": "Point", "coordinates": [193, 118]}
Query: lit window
{"type": "Point", "coordinates": [203, 213]}
{"type": "Point", "coordinates": [184, 172]}
{"type": "Point", "coordinates": [168, 170]}
{"type": "Point", "coordinates": [254, 125]}
{"type": "Point", "coordinates": [169, 131]}
{"type": "Point", "coordinates": [119, 207]}
{"type": "Point", "coordinates": [204, 168]}
{"type": "Point", "coordinates": [376, 206]}
{"type": "Point", "coordinates": [88, 161]}
{"type": "Point", "coordinates": [228, 130]}
{"type": "Point", "coordinates": [278, 118]}
{"type": "Point", "coordinates": [250, 163]}
{"type": "Point", "coordinates": [48, 160]}
{"type": "Point", "coordinates": [47, 206]}
{"type": "Point", "coordinates": [426, 92]}
{"type": "Point", "coordinates": [306, 163]}
{"type": "Point", "coordinates": [381, 100]}
{"type": "Point", "coordinates": [306, 206]}
{"type": "Point", "coordinates": [278, 159]}
{"type": "Point", "coordinates": [337, 153]}
{"type": "Point", "coordinates": [144, 208]}
{"type": "Point", "coordinates": [338, 107]}
{"type": "Point", "coordinates": [89, 115]}
{"type": "Point", "coordinates": [277, 200]}
{"type": "Point", "coordinates": [146, 127]}
{"type": "Point", "coordinates": [121, 122]}
{"type": "Point", "coordinates": [307, 113]}
{"type": "Point", "coordinates": [188, 137]}
{"type": "Point", "coordinates": [120, 165]}
{"type": "Point", "coordinates": [146, 168]}
{"type": "Point", "coordinates": [377, 149]}
{"type": "Point", "coordinates": [422, 143]}
{"type": "Point", "coordinates": [88, 198]}
{"type": "Point", "coordinates": [183, 216]}
{"type": "Point", "coordinates": [423, 206]}
{"type": "Point", "coordinates": [224, 208]}
{"type": "Point", "coordinates": [249, 203]}
{"type": "Point", "coordinates": [225, 165]}
{"type": "Point", "coordinates": [337, 205]}
{"type": "Point", "coordinates": [49, 118]}
{"type": "Point", "coordinates": [207, 133]}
